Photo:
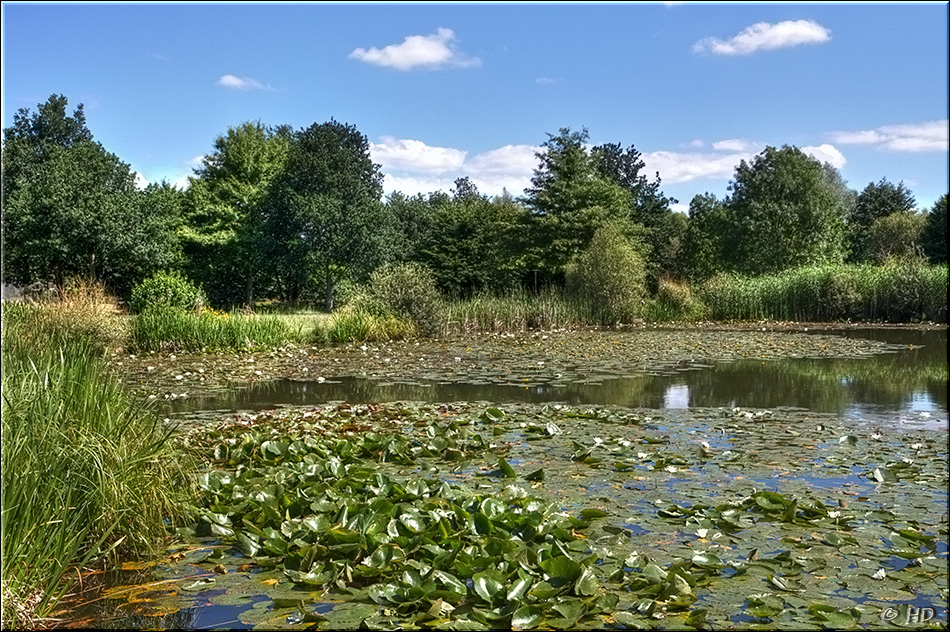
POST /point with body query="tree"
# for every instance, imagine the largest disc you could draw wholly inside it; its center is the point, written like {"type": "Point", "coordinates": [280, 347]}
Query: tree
{"type": "Point", "coordinates": [895, 236]}
{"type": "Point", "coordinates": [71, 208]}
{"type": "Point", "coordinates": [568, 200]}
{"type": "Point", "coordinates": [876, 201]}
{"type": "Point", "coordinates": [786, 210]}
{"type": "Point", "coordinates": [934, 238]}
{"type": "Point", "coordinates": [623, 167]}
{"type": "Point", "coordinates": [224, 229]}
{"type": "Point", "coordinates": [706, 232]}
{"type": "Point", "coordinates": [325, 214]}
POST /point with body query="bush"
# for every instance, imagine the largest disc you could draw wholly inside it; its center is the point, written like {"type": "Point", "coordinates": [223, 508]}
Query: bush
{"type": "Point", "coordinates": [407, 290]}
{"type": "Point", "coordinates": [610, 275]}
{"type": "Point", "coordinates": [167, 289]}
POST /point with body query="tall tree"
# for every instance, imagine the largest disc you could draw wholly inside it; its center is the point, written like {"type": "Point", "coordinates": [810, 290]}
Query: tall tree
{"type": "Point", "coordinates": [325, 213]}
{"type": "Point", "coordinates": [569, 199]}
{"type": "Point", "coordinates": [876, 201]}
{"type": "Point", "coordinates": [786, 209]}
{"type": "Point", "coordinates": [706, 234]}
{"type": "Point", "coordinates": [71, 208]}
{"type": "Point", "coordinates": [935, 232]}
{"type": "Point", "coordinates": [223, 235]}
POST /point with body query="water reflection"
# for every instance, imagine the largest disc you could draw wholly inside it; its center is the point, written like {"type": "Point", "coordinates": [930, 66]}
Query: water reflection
{"type": "Point", "coordinates": [909, 386]}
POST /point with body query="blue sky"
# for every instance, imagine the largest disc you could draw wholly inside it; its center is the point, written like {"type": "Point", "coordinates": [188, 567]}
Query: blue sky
{"type": "Point", "coordinates": [443, 91]}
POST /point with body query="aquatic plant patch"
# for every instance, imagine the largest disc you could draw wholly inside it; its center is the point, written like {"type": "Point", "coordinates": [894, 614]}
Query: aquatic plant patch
{"type": "Point", "coordinates": [552, 358]}
{"type": "Point", "coordinates": [472, 516]}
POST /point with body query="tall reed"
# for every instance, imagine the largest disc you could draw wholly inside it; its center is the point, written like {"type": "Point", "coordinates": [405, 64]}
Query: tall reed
{"type": "Point", "coordinates": [517, 311]}
{"type": "Point", "coordinates": [88, 469]}
{"type": "Point", "coordinates": [905, 291]}
{"type": "Point", "coordinates": [169, 329]}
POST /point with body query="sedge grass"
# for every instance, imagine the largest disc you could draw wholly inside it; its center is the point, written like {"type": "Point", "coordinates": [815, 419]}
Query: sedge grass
{"type": "Point", "coordinates": [88, 469]}
{"type": "Point", "coordinates": [166, 329]}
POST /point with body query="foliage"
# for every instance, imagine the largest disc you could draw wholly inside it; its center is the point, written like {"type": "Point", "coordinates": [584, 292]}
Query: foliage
{"type": "Point", "coordinates": [895, 236]}
{"type": "Point", "coordinates": [86, 465]}
{"type": "Point", "coordinates": [897, 292]}
{"type": "Point", "coordinates": [675, 301]}
{"type": "Point", "coordinates": [515, 311]}
{"type": "Point", "coordinates": [70, 207]}
{"type": "Point", "coordinates": [470, 242]}
{"type": "Point", "coordinates": [224, 231]}
{"type": "Point", "coordinates": [171, 329]}
{"type": "Point", "coordinates": [610, 275]}
{"type": "Point", "coordinates": [875, 202]}
{"type": "Point", "coordinates": [786, 210]}
{"type": "Point", "coordinates": [705, 237]}
{"type": "Point", "coordinates": [408, 291]}
{"type": "Point", "coordinates": [167, 289]}
{"type": "Point", "coordinates": [934, 237]}
{"type": "Point", "coordinates": [324, 214]}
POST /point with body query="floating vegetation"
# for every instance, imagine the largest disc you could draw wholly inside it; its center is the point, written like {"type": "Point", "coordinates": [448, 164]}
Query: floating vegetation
{"type": "Point", "coordinates": [479, 516]}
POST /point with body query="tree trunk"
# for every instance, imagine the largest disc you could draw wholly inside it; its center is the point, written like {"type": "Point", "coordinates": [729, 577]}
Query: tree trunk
{"type": "Point", "coordinates": [328, 302]}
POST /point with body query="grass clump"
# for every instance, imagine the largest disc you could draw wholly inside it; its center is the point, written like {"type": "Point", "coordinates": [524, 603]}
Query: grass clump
{"type": "Point", "coordinates": [88, 469]}
{"type": "Point", "coordinates": [517, 311]}
{"type": "Point", "coordinates": [169, 329]}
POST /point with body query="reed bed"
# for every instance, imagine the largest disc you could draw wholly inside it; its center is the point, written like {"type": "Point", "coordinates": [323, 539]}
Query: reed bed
{"type": "Point", "coordinates": [168, 329]}
{"type": "Point", "coordinates": [897, 292]}
{"type": "Point", "coordinates": [88, 469]}
{"type": "Point", "coordinates": [517, 311]}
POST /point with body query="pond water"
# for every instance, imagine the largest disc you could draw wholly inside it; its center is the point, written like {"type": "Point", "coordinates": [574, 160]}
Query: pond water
{"type": "Point", "coordinates": [909, 387]}
{"type": "Point", "coordinates": [905, 389]}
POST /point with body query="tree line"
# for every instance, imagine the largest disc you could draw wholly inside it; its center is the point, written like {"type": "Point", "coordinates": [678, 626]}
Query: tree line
{"type": "Point", "coordinates": [294, 215]}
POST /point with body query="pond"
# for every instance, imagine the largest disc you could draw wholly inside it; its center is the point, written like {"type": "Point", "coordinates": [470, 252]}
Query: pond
{"type": "Point", "coordinates": [802, 492]}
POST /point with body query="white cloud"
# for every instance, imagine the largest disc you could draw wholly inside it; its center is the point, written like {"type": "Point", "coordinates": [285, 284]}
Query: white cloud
{"type": "Point", "coordinates": [827, 153]}
{"type": "Point", "coordinates": [912, 137]}
{"type": "Point", "coordinates": [738, 144]}
{"type": "Point", "coordinates": [418, 51]}
{"type": "Point", "coordinates": [677, 167]}
{"type": "Point", "coordinates": [545, 81]}
{"type": "Point", "coordinates": [140, 181]}
{"type": "Point", "coordinates": [416, 156]}
{"type": "Point", "coordinates": [234, 82]}
{"type": "Point", "coordinates": [765, 36]}
{"type": "Point", "coordinates": [411, 167]}
{"type": "Point", "coordinates": [680, 208]}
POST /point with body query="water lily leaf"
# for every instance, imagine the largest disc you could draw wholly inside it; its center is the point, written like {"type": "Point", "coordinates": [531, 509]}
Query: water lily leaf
{"type": "Point", "coordinates": [199, 585]}
{"type": "Point", "coordinates": [630, 621]}
{"type": "Point", "coordinates": [537, 475]}
{"type": "Point", "coordinates": [571, 609]}
{"type": "Point", "coordinates": [708, 560]}
{"type": "Point", "coordinates": [526, 618]}
{"type": "Point", "coordinates": [488, 584]}
{"type": "Point", "coordinates": [590, 514]}
{"type": "Point", "coordinates": [788, 585]}
{"type": "Point", "coordinates": [519, 588]}
{"type": "Point", "coordinates": [493, 415]}
{"type": "Point", "coordinates": [563, 569]}
{"type": "Point", "coordinates": [506, 470]}
{"type": "Point", "coordinates": [587, 584]}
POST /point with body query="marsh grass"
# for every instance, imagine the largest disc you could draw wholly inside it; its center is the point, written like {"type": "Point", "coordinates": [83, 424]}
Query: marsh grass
{"type": "Point", "coordinates": [168, 329]}
{"type": "Point", "coordinates": [354, 325]}
{"type": "Point", "coordinates": [896, 292]}
{"type": "Point", "coordinates": [518, 311]}
{"type": "Point", "coordinates": [88, 470]}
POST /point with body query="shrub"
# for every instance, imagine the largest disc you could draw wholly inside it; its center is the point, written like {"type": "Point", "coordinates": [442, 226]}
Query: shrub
{"type": "Point", "coordinates": [407, 290]}
{"type": "Point", "coordinates": [167, 289]}
{"type": "Point", "coordinates": [610, 275]}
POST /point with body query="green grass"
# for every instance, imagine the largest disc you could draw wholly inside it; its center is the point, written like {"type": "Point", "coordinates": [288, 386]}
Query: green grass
{"type": "Point", "coordinates": [88, 469]}
{"type": "Point", "coordinates": [159, 329]}
{"type": "Point", "coordinates": [897, 292]}
{"type": "Point", "coordinates": [518, 311]}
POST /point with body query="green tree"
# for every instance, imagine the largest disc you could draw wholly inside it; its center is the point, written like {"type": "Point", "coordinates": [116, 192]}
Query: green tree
{"type": "Point", "coordinates": [568, 200]}
{"type": "Point", "coordinates": [223, 235]}
{"type": "Point", "coordinates": [786, 210]}
{"type": "Point", "coordinates": [934, 238]}
{"type": "Point", "coordinates": [895, 236]}
{"type": "Point", "coordinates": [71, 208]}
{"type": "Point", "coordinates": [610, 274]}
{"type": "Point", "coordinates": [706, 232]}
{"type": "Point", "coordinates": [325, 215]}
{"type": "Point", "coordinates": [876, 201]}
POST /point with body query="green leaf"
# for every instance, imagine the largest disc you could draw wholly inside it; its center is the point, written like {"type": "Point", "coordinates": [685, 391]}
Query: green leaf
{"type": "Point", "coordinates": [537, 475]}
{"type": "Point", "coordinates": [488, 584]}
{"type": "Point", "coordinates": [506, 470]}
{"type": "Point", "coordinates": [526, 617]}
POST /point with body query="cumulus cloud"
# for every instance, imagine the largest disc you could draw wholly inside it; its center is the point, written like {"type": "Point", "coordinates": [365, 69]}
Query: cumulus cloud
{"type": "Point", "coordinates": [140, 181]}
{"type": "Point", "coordinates": [912, 137]}
{"type": "Point", "coordinates": [738, 144]}
{"type": "Point", "coordinates": [437, 50]}
{"type": "Point", "coordinates": [415, 156]}
{"type": "Point", "coordinates": [411, 167]}
{"type": "Point", "coordinates": [677, 167]}
{"type": "Point", "coordinates": [234, 82]}
{"type": "Point", "coordinates": [765, 36]}
{"type": "Point", "coordinates": [826, 153]}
